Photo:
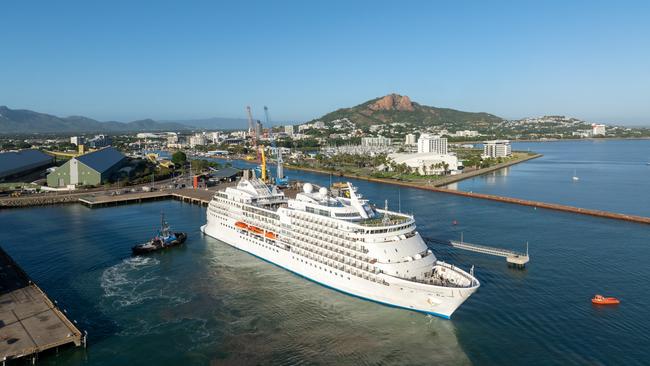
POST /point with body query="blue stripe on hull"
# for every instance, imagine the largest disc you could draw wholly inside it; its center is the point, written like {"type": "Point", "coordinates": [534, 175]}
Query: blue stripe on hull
{"type": "Point", "coordinates": [336, 289]}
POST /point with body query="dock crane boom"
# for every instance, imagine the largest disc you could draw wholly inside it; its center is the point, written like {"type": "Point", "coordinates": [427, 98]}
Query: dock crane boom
{"type": "Point", "coordinates": [280, 179]}
{"type": "Point", "coordinates": [251, 127]}
{"type": "Point", "coordinates": [252, 131]}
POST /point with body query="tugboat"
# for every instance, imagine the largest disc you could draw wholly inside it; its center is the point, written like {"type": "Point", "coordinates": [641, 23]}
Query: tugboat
{"type": "Point", "coordinates": [165, 239]}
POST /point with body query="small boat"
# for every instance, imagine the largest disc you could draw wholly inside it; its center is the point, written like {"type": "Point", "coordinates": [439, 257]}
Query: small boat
{"type": "Point", "coordinates": [270, 235]}
{"type": "Point", "coordinates": [602, 300]}
{"type": "Point", "coordinates": [454, 222]}
{"type": "Point", "coordinates": [575, 177]}
{"type": "Point", "coordinates": [165, 239]}
{"type": "Point", "coordinates": [241, 225]}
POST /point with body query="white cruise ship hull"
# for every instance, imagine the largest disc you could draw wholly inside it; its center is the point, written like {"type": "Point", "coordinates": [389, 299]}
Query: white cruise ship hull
{"type": "Point", "coordinates": [435, 300]}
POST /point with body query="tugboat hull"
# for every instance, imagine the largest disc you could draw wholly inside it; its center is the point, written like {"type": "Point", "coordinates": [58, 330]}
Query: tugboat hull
{"type": "Point", "coordinates": [151, 247]}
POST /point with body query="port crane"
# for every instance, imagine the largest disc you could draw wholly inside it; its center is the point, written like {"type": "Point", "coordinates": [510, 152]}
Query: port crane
{"type": "Point", "coordinates": [280, 179]}
{"type": "Point", "coordinates": [252, 133]}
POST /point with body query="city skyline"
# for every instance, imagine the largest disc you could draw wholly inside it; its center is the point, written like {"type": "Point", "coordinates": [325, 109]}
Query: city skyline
{"type": "Point", "coordinates": [123, 61]}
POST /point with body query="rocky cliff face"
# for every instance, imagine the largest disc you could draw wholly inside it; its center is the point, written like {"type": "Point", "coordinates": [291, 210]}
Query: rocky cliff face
{"type": "Point", "coordinates": [392, 102]}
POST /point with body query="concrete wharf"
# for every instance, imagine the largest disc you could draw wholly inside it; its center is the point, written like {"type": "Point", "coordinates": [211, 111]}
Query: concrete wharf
{"type": "Point", "coordinates": [201, 197]}
{"type": "Point", "coordinates": [30, 322]}
{"type": "Point", "coordinates": [516, 259]}
{"type": "Point", "coordinates": [195, 196]}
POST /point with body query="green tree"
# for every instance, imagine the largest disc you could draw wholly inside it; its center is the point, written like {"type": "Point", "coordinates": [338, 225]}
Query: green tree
{"type": "Point", "coordinates": [179, 158]}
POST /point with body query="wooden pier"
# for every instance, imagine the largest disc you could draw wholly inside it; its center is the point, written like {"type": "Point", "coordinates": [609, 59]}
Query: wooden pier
{"type": "Point", "coordinates": [513, 258]}
{"type": "Point", "coordinates": [30, 322]}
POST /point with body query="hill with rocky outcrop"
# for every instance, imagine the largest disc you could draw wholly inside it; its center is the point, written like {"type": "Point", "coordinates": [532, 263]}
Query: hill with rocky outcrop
{"type": "Point", "coordinates": [395, 108]}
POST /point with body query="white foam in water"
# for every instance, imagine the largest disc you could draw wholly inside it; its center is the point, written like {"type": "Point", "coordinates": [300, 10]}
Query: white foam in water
{"type": "Point", "coordinates": [135, 280]}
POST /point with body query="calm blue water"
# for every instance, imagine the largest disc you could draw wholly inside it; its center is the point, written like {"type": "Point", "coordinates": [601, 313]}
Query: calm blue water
{"type": "Point", "coordinates": [614, 175]}
{"type": "Point", "coordinates": [208, 303]}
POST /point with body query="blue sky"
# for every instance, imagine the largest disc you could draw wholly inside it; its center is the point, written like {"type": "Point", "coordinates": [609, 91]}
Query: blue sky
{"type": "Point", "coordinates": [125, 60]}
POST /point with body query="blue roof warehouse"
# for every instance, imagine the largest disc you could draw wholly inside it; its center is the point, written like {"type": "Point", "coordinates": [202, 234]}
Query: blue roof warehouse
{"type": "Point", "coordinates": [15, 163]}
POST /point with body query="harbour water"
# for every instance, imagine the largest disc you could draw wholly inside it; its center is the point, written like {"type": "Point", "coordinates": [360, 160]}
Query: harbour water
{"type": "Point", "coordinates": [207, 303]}
{"type": "Point", "coordinates": [614, 175]}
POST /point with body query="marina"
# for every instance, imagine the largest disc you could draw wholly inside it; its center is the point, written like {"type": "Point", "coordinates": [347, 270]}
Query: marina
{"type": "Point", "coordinates": [30, 322]}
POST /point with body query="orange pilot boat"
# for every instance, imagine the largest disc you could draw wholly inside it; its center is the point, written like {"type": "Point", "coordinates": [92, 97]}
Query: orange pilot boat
{"type": "Point", "coordinates": [602, 300]}
{"type": "Point", "coordinates": [241, 225]}
{"type": "Point", "coordinates": [255, 230]}
{"type": "Point", "coordinates": [270, 235]}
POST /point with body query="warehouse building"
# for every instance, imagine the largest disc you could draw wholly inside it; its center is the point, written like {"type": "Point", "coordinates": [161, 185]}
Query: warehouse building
{"type": "Point", "coordinates": [15, 163]}
{"type": "Point", "coordinates": [93, 169]}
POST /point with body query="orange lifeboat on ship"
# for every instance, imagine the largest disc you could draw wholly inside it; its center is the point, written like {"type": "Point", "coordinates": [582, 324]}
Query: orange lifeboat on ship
{"type": "Point", "coordinates": [270, 235]}
{"type": "Point", "coordinates": [255, 230]}
{"type": "Point", "coordinates": [241, 225]}
{"type": "Point", "coordinates": [602, 300]}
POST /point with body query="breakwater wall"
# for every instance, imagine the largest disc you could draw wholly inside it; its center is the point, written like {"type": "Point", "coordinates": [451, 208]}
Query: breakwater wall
{"type": "Point", "coordinates": [37, 201]}
{"type": "Point", "coordinates": [550, 206]}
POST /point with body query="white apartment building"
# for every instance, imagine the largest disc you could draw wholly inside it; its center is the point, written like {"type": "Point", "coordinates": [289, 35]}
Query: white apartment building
{"type": "Point", "coordinates": [197, 140]}
{"type": "Point", "coordinates": [427, 163]}
{"type": "Point", "coordinates": [497, 149]}
{"type": "Point", "coordinates": [77, 140]}
{"type": "Point", "coordinates": [598, 130]}
{"type": "Point", "coordinates": [288, 130]}
{"type": "Point", "coordinates": [378, 141]}
{"type": "Point", "coordinates": [410, 139]}
{"type": "Point", "coordinates": [172, 139]}
{"type": "Point", "coordinates": [466, 133]}
{"type": "Point", "coordinates": [214, 137]}
{"type": "Point", "coordinates": [428, 143]}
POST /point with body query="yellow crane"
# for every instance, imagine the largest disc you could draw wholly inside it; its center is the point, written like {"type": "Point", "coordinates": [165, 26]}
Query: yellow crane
{"type": "Point", "coordinates": [263, 167]}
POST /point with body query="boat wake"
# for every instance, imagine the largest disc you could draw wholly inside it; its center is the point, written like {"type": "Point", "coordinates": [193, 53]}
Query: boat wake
{"type": "Point", "coordinates": [134, 281]}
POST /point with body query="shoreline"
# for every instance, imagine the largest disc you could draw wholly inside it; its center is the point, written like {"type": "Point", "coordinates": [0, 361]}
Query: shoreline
{"type": "Point", "coordinates": [437, 183]}
{"type": "Point", "coordinates": [503, 199]}
{"type": "Point", "coordinates": [563, 140]}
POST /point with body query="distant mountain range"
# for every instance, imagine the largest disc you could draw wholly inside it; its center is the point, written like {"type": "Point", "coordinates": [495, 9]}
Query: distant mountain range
{"type": "Point", "coordinates": [26, 121]}
{"type": "Point", "coordinates": [214, 123]}
{"type": "Point", "coordinates": [394, 108]}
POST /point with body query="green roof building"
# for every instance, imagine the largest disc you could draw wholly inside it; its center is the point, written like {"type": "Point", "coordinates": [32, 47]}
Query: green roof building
{"type": "Point", "coordinates": [93, 168]}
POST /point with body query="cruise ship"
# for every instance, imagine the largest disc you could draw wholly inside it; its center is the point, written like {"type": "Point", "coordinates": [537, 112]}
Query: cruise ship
{"type": "Point", "coordinates": [340, 240]}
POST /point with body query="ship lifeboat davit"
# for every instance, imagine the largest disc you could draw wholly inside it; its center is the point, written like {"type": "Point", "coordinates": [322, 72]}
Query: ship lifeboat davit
{"type": "Point", "coordinates": [255, 230]}
{"type": "Point", "coordinates": [241, 225]}
{"type": "Point", "coordinates": [271, 235]}
{"type": "Point", "coordinates": [602, 300]}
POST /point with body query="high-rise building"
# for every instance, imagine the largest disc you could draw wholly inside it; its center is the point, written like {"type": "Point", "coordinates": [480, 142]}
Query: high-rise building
{"type": "Point", "coordinates": [378, 141]}
{"type": "Point", "coordinates": [288, 130]}
{"type": "Point", "coordinates": [258, 129]}
{"type": "Point", "coordinates": [214, 137]}
{"type": "Point", "coordinates": [410, 139]}
{"type": "Point", "coordinates": [172, 139]}
{"type": "Point", "coordinates": [497, 149]}
{"type": "Point", "coordinates": [197, 140]}
{"type": "Point", "coordinates": [428, 143]}
{"type": "Point", "coordinates": [77, 140]}
{"type": "Point", "coordinates": [598, 130]}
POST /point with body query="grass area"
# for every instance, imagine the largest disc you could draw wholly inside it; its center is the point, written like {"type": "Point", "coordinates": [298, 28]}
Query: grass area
{"type": "Point", "coordinates": [366, 171]}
